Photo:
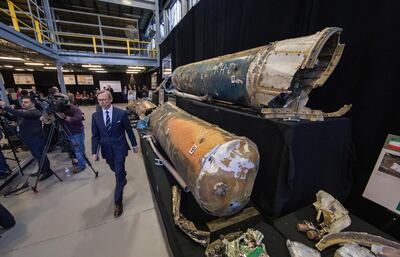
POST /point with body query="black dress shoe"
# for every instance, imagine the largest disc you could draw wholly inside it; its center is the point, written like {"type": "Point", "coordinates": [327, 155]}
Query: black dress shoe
{"type": "Point", "coordinates": [45, 175]}
{"type": "Point", "coordinates": [118, 210]}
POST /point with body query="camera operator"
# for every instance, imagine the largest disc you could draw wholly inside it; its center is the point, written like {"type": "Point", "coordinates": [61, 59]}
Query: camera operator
{"type": "Point", "coordinates": [30, 131]}
{"type": "Point", "coordinates": [72, 117]}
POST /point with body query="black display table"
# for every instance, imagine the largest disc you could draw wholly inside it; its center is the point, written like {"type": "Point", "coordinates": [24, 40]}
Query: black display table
{"type": "Point", "coordinates": [296, 158]}
{"type": "Point", "coordinates": [286, 225]}
{"type": "Point", "coordinates": [181, 245]}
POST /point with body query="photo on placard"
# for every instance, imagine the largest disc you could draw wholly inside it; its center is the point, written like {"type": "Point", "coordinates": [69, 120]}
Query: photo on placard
{"type": "Point", "coordinates": [390, 165]}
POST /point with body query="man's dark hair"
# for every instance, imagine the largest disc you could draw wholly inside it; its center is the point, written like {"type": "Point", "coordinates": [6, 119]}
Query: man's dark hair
{"type": "Point", "coordinates": [24, 92]}
{"type": "Point", "coordinates": [26, 97]}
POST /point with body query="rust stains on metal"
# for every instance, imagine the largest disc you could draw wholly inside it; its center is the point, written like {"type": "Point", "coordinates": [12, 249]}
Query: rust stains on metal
{"type": "Point", "coordinates": [218, 167]}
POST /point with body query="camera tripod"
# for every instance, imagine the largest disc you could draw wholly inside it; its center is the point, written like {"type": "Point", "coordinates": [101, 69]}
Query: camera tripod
{"type": "Point", "coordinates": [6, 131]}
{"type": "Point", "coordinates": [64, 134]}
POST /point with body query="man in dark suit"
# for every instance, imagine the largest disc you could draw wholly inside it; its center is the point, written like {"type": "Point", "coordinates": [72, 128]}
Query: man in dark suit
{"type": "Point", "coordinates": [109, 125]}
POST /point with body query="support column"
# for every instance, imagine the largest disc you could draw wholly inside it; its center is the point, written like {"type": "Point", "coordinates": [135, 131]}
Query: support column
{"type": "Point", "coordinates": [49, 22]}
{"type": "Point", "coordinates": [158, 39]}
{"type": "Point", "coordinates": [3, 94]}
{"type": "Point", "coordinates": [60, 76]}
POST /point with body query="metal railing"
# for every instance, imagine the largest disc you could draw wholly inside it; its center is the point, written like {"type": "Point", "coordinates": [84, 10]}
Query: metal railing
{"type": "Point", "coordinates": [74, 40]}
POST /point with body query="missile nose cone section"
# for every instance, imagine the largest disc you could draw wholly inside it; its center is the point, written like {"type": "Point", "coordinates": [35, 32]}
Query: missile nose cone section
{"type": "Point", "coordinates": [229, 172]}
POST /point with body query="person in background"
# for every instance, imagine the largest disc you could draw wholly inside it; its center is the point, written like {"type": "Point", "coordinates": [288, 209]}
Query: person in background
{"type": "Point", "coordinates": [72, 117]}
{"type": "Point", "coordinates": [109, 125]}
{"type": "Point", "coordinates": [131, 94]}
{"type": "Point", "coordinates": [125, 94]}
{"type": "Point", "coordinates": [35, 96]}
{"type": "Point", "coordinates": [78, 98]}
{"type": "Point", "coordinates": [19, 95]}
{"type": "Point", "coordinates": [71, 97]}
{"type": "Point", "coordinates": [54, 91]}
{"type": "Point", "coordinates": [30, 132]}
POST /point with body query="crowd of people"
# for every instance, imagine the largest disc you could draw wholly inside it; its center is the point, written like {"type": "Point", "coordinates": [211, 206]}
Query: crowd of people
{"type": "Point", "coordinates": [109, 125]}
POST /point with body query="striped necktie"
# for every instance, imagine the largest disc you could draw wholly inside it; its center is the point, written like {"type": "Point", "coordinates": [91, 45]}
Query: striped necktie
{"type": "Point", "coordinates": [108, 122]}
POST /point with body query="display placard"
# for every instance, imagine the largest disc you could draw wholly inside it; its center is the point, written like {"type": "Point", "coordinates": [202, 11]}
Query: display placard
{"type": "Point", "coordinates": [85, 79]}
{"type": "Point", "coordinates": [384, 184]}
{"type": "Point", "coordinates": [115, 85]}
{"type": "Point", "coordinates": [23, 79]}
{"type": "Point", "coordinates": [69, 80]}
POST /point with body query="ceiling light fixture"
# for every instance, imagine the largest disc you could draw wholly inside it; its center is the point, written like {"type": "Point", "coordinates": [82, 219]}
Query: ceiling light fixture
{"type": "Point", "coordinates": [100, 71]}
{"type": "Point", "coordinates": [30, 69]}
{"type": "Point", "coordinates": [19, 69]}
{"type": "Point", "coordinates": [11, 58]}
{"type": "Point", "coordinates": [8, 66]}
{"type": "Point", "coordinates": [94, 69]}
{"type": "Point", "coordinates": [137, 67]}
{"type": "Point", "coordinates": [34, 63]}
{"type": "Point", "coordinates": [50, 68]}
{"type": "Point", "coordinates": [91, 65]}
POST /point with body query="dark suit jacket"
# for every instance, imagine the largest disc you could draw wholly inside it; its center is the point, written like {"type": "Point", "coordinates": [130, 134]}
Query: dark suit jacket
{"type": "Point", "coordinates": [113, 144]}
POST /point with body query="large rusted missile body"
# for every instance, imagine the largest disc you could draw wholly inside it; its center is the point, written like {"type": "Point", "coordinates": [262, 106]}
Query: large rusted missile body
{"type": "Point", "coordinates": [272, 76]}
{"type": "Point", "coordinates": [218, 167]}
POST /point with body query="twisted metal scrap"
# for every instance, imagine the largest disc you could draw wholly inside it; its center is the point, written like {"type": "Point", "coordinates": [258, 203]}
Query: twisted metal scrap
{"type": "Point", "coordinates": [332, 217]}
{"type": "Point", "coordinates": [188, 227]}
{"type": "Point", "coordinates": [238, 245]}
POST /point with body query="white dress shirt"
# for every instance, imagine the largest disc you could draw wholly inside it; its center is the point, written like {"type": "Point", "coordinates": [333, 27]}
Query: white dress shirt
{"type": "Point", "coordinates": [110, 111]}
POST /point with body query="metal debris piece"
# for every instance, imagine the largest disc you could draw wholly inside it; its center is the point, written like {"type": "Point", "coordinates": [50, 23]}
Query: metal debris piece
{"type": "Point", "coordinates": [385, 251]}
{"type": "Point", "coordinates": [221, 172]}
{"type": "Point", "coordinates": [353, 250]}
{"type": "Point", "coordinates": [277, 76]}
{"type": "Point", "coordinates": [188, 227]}
{"type": "Point", "coordinates": [297, 249]}
{"type": "Point", "coordinates": [332, 217]}
{"type": "Point", "coordinates": [305, 113]}
{"type": "Point", "coordinates": [225, 222]}
{"type": "Point", "coordinates": [359, 238]}
{"type": "Point", "coordinates": [141, 107]}
{"type": "Point", "coordinates": [237, 244]}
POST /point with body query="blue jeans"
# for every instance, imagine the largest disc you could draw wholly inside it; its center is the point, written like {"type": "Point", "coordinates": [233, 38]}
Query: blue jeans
{"type": "Point", "coordinates": [78, 143]}
{"type": "Point", "coordinates": [36, 146]}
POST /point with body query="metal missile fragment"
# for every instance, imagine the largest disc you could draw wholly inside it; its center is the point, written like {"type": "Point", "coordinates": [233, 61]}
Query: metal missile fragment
{"type": "Point", "coordinates": [297, 249]}
{"type": "Point", "coordinates": [277, 77]}
{"type": "Point", "coordinates": [353, 250]}
{"type": "Point", "coordinates": [354, 237]}
{"type": "Point", "coordinates": [218, 167]}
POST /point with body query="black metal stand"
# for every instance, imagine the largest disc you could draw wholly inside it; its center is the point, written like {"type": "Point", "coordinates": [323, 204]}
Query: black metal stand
{"type": "Point", "coordinates": [64, 134]}
{"type": "Point", "coordinates": [10, 178]}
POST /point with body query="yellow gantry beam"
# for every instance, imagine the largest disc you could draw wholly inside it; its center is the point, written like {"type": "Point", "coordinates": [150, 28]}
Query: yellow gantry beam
{"type": "Point", "coordinates": [38, 33]}
{"type": "Point", "coordinates": [128, 47]}
{"type": "Point", "coordinates": [13, 15]}
{"type": "Point", "coordinates": [94, 45]}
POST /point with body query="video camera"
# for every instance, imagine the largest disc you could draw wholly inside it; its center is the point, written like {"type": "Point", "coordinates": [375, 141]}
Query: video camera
{"type": "Point", "coordinates": [54, 103]}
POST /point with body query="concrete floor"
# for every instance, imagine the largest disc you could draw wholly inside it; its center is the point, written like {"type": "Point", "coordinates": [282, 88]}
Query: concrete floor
{"type": "Point", "coordinates": [75, 217]}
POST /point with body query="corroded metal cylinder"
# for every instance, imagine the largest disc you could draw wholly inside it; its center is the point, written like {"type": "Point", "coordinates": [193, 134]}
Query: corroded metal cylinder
{"type": "Point", "coordinates": [270, 76]}
{"type": "Point", "coordinates": [219, 168]}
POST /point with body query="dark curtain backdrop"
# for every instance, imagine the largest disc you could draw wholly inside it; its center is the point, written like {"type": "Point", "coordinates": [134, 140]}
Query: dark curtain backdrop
{"type": "Point", "coordinates": [365, 77]}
